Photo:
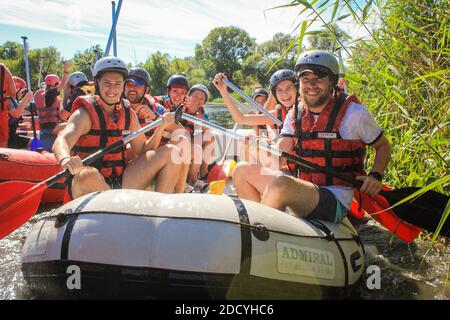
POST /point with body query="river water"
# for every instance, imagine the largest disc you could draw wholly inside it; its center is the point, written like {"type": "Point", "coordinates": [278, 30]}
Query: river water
{"type": "Point", "coordinates": [407, 271]}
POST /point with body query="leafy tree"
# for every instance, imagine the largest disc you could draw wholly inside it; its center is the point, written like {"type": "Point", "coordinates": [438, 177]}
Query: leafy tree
{"type": "Point", "coordinates": [225, 49]}
{"type": "Point", "coordinates": [275, 48]}
{"type": "Point", "coordinates": [84, 61]}
{"type": "Point", "coordinates": [158, 65]}
{"type": "Point", "coordinates": [180, 66]}
{"type": "Point", "coordinates": [328, 38]}
{"type": "Point", "coordinates": [10, 50]}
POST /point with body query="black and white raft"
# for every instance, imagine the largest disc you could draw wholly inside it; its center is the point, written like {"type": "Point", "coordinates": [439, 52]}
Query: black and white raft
{"type": "Point", "coordinates": [138, 244]}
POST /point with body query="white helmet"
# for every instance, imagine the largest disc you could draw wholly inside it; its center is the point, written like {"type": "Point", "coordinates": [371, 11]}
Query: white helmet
{"type": "Point", "coordinates": [201, 88]}
{"type": "Point", "coordinates": [76, 78]}
{"type": "Point", "coordinates": [319, 58]}
{"type": "Point", "coordinates": [110, 64]}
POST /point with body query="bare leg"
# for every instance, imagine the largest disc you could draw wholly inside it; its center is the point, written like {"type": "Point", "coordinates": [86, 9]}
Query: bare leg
{"type": "Point", "coordinates": [300, 196]}
{"type": "Point", "coordinates": [87, 181]}
{"type": "Point", "coordinates": [153, 164]}
{"type": "Point", "coordinates": [251, 180]}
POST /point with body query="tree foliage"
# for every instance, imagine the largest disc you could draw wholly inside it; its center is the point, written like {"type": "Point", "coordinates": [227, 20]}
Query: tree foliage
{"type": "Point", "coordinates": [84, 61]}
{"type": "Point", "coordinates": [225, 49]}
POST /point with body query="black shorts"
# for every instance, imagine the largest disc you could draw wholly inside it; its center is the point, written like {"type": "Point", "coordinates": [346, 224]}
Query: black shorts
{"type": "Point", "coordinates": [114, 182]}
{"type": "Point", "coordinates": [18, 142]}
{"type": "Point", "coordinates": [329, 208]}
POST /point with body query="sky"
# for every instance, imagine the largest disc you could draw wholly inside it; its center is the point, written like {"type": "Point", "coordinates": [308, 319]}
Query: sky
{"type": "Point", "coordinates": [144, 27]}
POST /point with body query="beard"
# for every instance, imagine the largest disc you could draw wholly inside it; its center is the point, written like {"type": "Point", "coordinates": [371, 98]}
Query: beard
{"type": "Point", "coordinates": [318, 101]}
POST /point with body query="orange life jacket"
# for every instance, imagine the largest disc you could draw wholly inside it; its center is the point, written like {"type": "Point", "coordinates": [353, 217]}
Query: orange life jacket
{"type": "Point", "coordinates": [104, 132]}
{"type": "Point", "coordinates": [47, 115]}
{"type": "Point", "coordinates": [320, 142]}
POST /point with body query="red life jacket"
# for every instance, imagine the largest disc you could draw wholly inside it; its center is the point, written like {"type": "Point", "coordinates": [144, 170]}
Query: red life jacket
{"type": "Point", "coordinates": [7, 89]}
{"type": "Point", "coordinates": [47, 115]}
{"type": "Point", "coordinates": [104, 132]}
{"type": "Point", "coordinates": [166, 103]}
{"type": "Point", "coordinates": [320, 142]}
{"type": "Point", "coordinates": [282, 112]}
{"type": "Point", "coordinates": [189, 126]}
{"type": "Point", "coordinates": [150, 102]}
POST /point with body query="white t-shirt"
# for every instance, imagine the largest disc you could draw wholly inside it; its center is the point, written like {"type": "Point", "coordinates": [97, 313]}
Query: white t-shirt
{"type": "Point", "coordinates": [357, 124]}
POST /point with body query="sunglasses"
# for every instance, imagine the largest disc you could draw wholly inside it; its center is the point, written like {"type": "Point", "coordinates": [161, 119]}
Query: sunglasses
{"type": "Point", "coordinates": [136, 81]}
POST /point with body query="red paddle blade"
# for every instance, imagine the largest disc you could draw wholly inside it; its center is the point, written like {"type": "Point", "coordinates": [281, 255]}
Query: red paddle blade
{"type": "Point", "coordinates": [216, 173]}
{"type": "Point", "coordinates": [19, 201]}
{"type": "Point", "coordinates": [403, 230]}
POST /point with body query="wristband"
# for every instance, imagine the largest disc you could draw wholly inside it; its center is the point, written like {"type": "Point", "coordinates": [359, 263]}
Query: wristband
{"type": "Point", "coordinates": [64, 158]}
{"type": "Point", "coordinates": [376, 175]}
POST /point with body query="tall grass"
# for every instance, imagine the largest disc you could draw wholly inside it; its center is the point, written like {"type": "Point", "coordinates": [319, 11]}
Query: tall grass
{"type": "Point", "coordinates": [401, 72]}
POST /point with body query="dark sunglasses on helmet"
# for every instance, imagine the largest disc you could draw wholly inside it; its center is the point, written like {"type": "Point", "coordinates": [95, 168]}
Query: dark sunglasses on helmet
{"type": "Point", "coordinates": [319, 71]}
{"type": "Point", "coordinates": [136, 81]}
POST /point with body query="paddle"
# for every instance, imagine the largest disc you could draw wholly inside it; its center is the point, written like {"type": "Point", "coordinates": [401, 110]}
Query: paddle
{"type": "Point", "coordinates": [277, 121]}
{"type": "Point", "coordinates": [19, 201]}
{"type": "Point", "coordinates": [424, 211]}
{"type": "Point", "coordinates": [36, 144]}
{"type": "Point", "coordinates": [217, 172]}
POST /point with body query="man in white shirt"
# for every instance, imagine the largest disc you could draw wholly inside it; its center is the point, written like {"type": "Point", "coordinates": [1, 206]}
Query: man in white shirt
{"type": "Point", "coordinates": [329, 129]}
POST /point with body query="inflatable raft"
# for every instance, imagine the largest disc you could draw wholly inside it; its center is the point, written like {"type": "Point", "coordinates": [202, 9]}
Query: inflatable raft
{"type": "Point", "coordinates": [31, 166]}
{"type": "Point", "coordinates": [138, 244]}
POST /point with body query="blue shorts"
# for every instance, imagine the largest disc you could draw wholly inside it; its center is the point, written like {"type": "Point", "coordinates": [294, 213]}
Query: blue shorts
{"type": "Point", "coordinates": [329, 208]}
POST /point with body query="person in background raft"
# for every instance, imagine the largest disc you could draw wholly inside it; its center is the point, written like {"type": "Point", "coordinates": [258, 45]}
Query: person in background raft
{"type": "Point", "coordinates": [49, 106]}
{"type": "Point", "coordinates": [77, 86]}
{"type": "Point", "coordinates": [16, 109]}
{"type": "Point", "coordinates": [261, 96]}
{"type": "Point", "coordinates": [101, 120]}
{"type": "Point", "coordinates": [330, 129]}
{"type": "Point", "coordinates": [7, 90]}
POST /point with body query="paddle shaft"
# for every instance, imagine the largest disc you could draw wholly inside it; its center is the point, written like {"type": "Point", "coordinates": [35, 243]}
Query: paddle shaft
{"type": "Point", "coordinates": [113, 28]}
{"type": "Point", "coordinates": [270, 149]}
{"type": "Point", "coordinates": [27, 68]}
{"type": "Point", "coordinates": [222, 161]}
{"type": "Point", "coordinates": [113, 6]}
{"type": "Point", "coordinates": [277, 121]}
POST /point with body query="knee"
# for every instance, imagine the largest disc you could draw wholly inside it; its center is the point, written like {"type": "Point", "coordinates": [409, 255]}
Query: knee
{"type": "Point", "coordinates": [89, 176]}
{"type": "Point", "coordinates": [279, 186]}
{"type": "Point", "coordinates": [240, 172]}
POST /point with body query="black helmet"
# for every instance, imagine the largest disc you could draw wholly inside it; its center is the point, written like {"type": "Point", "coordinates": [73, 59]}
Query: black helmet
{"type": "Point", "coordinates": [260, 92]}
{"type": "Point", "coordinates": [140, 73]}
{"type": "Point", "coordinates": [179, 80]}
{"type": "Point", "coordinates": [280, 75]}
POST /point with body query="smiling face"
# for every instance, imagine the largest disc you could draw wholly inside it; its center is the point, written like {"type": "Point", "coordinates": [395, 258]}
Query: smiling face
{"type": "Point", "coordinates": [177, 95]}
{"type": "Point", "coordinates": [197, 100]}
{"type": "Point", "coordinates": [111, 87]}
{"type": "Point", "coordinates": [134, 92]}
{"type": "Point", "coordinates": [315, 91]}
{"type": "Point", "coordinates": [286, 93]}
{"type": "Point", "coordinates": [261, 100]}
